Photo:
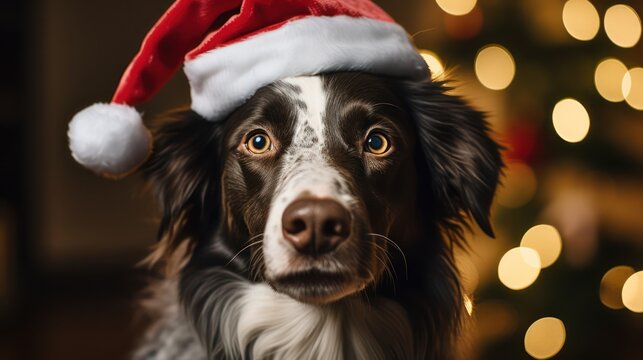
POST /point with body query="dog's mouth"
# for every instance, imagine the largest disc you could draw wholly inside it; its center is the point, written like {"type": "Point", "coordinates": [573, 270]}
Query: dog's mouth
{"type": "Point", "coordinates": [316, 286]}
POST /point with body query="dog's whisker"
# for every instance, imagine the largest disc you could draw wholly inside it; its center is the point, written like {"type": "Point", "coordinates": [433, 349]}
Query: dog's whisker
{"type": "Point", "coordinates": [387, 258]}
{"type": "Point", "coordinates": [245, 248]}
{"type": "Point", "coordinates": [416, 34]}
{"type": "Point", "coordinates": [255, 237]}
{"type": "Point", "coordinates": [254, 258]}
{"type": "Point", "coordinates": [392, 275]}
{"type": "Point", "coordinates": [256, 266]}
{"type": "Point", "coordinates": [362, 264]}
{"type": "Point", "coordinates": [386, 262]}
{"type": "Point", "coordinates": [396, 246]}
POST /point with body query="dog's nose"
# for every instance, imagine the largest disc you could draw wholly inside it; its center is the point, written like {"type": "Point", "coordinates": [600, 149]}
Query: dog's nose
{"type": "Point", "coordinates": [315, 226]}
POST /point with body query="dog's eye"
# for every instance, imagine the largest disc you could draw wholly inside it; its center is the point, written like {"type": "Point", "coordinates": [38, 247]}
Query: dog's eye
{"type": "Point", "coordinates": [377, 144]}
{"type": "Point", "coordinates": [258, 143]}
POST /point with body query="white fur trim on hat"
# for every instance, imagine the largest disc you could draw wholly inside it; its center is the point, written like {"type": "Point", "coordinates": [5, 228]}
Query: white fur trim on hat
{"type": "Point", "coordinates": [109, 139]}
{"type": "Point", "coordinates": [224, 78]}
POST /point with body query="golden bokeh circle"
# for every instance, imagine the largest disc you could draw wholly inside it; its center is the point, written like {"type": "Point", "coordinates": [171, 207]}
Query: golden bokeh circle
{"type": "Point", "coordinates": [581, 20]}
{"type": "Point", "coordinates": [632, 88]}
{"type": "Point", "coordinates": [608, 78]}
{"type": "Point", "coordinates": [546, 240]}
{"type": "Point", "coordinates": [456, 7]}
{"type": "Point", "coordinates": [495, 67]}
{"type": "Point", "coordinates": [571, 120]}
{"type": "Point", "coordinates": [632, 294]}
{"type": "Point", "coordinates": [545, 338]}
{"type": "Point", "coordinates": [519, 268]}
{"type": "Point", "coordinates": [611, 287]}
{"type": "Point", "coordinates": [433, 62]}
{"type": "Point", "coordinates": [622, 25]}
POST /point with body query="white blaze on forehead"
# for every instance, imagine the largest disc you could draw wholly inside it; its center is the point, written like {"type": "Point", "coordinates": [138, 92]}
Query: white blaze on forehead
{"type": "Point", "coordinates": [311, 94]}
{"type": "Point", "coordinates": [305, 169]}
{"type": "Point", "coordinates": [305, 166]}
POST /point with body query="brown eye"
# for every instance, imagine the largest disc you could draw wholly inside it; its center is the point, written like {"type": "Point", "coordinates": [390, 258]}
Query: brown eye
{"type": "Point", "coordinates": [377, 144]}
{"type": "Point", "coordinates": [258, 143]}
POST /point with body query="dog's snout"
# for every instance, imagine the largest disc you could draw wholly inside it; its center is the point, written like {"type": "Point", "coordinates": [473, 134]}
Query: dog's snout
{"type": "Point", "coordinates": [315, 226]}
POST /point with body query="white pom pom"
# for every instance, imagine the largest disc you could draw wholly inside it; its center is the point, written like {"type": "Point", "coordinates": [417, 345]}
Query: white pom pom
{"type": "Point", "coordinates": [109, 139]}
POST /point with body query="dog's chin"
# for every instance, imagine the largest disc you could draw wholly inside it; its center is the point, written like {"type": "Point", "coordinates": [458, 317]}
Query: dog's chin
{"type": "Point", "coordinates": [317, 286]}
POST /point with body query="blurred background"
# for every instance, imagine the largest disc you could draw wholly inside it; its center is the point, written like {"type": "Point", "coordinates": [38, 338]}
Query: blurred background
{"type": "Point", "coordinates": [561, 82]}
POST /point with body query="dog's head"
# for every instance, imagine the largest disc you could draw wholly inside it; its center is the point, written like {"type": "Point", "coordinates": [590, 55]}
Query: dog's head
{"type": "Point", "coordinates": [316, 185]}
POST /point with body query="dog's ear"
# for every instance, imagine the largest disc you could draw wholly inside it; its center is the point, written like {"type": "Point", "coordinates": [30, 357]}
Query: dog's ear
{"type": "Point", "coordinates": [185, 180]}
{"type": "Point", "coordinates": [463, 161]}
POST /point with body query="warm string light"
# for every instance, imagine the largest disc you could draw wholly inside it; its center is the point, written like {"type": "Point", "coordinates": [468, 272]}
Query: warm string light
{"type": "Point", "coordinates": [434, 63]}
{"type": "Point", "coordinates": [608, 79]}
{"type": "Point", "coordinates": [611, 288]}
{"type": "Point", "coordinates": [545, 338]}
{"type": "Point", "coordinates": [581, 20]}
{"type": "Point", "coordinates": [456, 7]}
{"type": "Point", "coordinates": [614, 83]}
{"type": "Point", "coordinates": [546, 240]}
{"type": "Point", "coordinates": [622, 25]}
{"type": "Point", "coordinates": [571, 120]}
{"type": "Point", "coordinates": [495, 67]}
{"type": "Point", "coordinates": [539, 248]}
{"type": "Point", "coordinates": [519, 268]}
{"type": "Point", "coordinates": [632, 294]}
{"type": "Point", "coordinates": [632, 88]}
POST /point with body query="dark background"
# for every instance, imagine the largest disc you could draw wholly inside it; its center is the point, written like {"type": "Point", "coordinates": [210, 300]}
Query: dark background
{"type": "Point", "coordinates": [70, 241]}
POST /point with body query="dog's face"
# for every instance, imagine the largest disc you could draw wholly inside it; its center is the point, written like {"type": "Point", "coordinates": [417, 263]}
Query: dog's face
{"type": "Point", "coordinates": [317, 170]}
{"type": "Point", "coordinates": [317, 184]}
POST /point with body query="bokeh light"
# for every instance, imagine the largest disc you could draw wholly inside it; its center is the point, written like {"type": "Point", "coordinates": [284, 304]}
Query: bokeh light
{"type": "Point", "coordinates": [633, 292]}
{"type": "Point", "coordinates": [622, 25]}
{"type": "Point", "coordinates": [519, 268]}
{"type": "Point", "coordinates": [456, 7]}
{"type": "Point", "coordinates": [545, 337]}
{"type": "Point", "coordinates": [612, 286]}
{"type": "Point", "coordinates": [433, 62]}
{"type": "Point", "coordinates": [518, 185]}
{"type": "Point", "coordinates": [495, 67]}
{"type": "Point", "coordinates": [608, 79]}
{"type": "Point", "coordinates": [546, 240]}
{"type": "Point", "coordinates": [632, 88]}
{"type": "Point", "coordinates": [571, 120]}
{"type": "Point", "coordinates": [581, 19]}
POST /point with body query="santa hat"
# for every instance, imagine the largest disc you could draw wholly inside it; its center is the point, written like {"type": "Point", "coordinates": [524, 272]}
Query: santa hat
{"type": "Point", "coordinates": [229, 49]}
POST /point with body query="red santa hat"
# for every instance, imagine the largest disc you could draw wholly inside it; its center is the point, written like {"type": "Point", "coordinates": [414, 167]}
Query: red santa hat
{"type": "Point", "coordinates": [229, 49]}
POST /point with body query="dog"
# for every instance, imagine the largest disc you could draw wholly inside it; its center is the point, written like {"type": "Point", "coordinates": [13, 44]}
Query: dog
{"type": "Point", "coordinates": [317, 221]}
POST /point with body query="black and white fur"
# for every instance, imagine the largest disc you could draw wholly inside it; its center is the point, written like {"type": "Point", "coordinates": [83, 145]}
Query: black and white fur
{"type": "Point", "coordinates": [232, 288]}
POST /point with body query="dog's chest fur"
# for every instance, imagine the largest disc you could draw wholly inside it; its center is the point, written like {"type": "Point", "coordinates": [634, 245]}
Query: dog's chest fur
{"type": "Point", "coordinates": [252, 321]}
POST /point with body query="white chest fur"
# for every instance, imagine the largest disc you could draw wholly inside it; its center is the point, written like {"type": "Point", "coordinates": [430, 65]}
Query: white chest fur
{"type": "Point", "coordinates": [252, 321]}
{"type": "Point", "coordinates": [275, 326]}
